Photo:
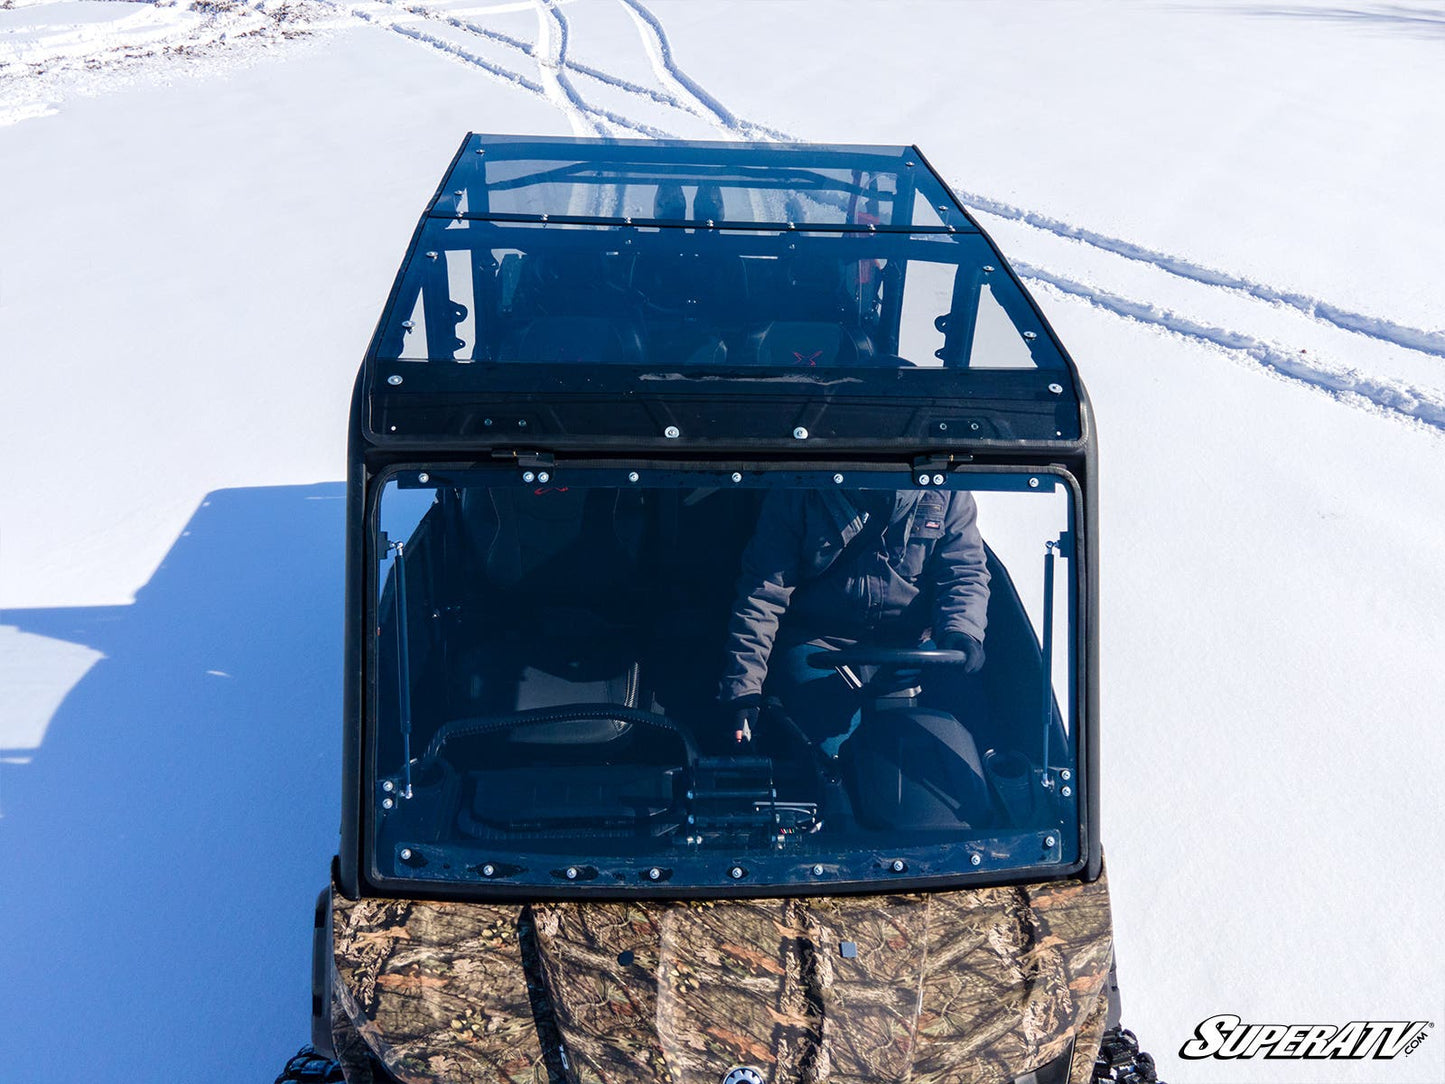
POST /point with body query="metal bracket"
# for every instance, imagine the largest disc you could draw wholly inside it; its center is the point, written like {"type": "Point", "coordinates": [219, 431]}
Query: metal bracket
{"type": "Point", "coordinates": [523, 457]}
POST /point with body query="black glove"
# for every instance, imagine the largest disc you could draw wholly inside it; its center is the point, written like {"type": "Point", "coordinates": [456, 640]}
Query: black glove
{"type": "Point", "coordinates": [962, 641]}
{"type": "Point", "coordinates": [744, 715]}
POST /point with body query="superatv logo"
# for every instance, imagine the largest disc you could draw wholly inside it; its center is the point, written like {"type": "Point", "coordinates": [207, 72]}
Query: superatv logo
{"type": "Point", "coordinates": [1226, 1036]}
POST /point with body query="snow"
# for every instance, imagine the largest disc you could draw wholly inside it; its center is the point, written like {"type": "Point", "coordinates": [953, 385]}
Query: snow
{"type": "Point", "coordinates": [1229, 212]}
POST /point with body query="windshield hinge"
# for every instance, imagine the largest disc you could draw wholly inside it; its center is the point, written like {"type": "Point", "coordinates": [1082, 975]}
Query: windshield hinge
{"type": "Point", "coordinates": [523, 457]}
{"type": "Point", "coordinates": [939, 460]}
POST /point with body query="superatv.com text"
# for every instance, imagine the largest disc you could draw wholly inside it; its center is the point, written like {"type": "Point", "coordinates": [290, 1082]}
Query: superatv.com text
{"type": "Point", "coordinates": [1226, 1036]}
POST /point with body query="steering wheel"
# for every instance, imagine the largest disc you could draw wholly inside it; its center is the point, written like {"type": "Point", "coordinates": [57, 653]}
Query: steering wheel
{"type": "Point", "coordinates": [864, 655]}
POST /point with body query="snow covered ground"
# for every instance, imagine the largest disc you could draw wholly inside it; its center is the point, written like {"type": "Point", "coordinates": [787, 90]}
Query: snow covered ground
{"type": "Point", "coordinates": [1229, 211]}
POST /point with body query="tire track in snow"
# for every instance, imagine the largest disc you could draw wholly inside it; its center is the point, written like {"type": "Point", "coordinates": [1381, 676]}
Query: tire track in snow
{"type": "Point", "coordinates": [1342, 384]}
{"type": "Point", "coordinates": [666, 67]}
{"type": "Point", "coordinates": [1425, 342]}
{"type": "Point", "coordinates": [558, 66]}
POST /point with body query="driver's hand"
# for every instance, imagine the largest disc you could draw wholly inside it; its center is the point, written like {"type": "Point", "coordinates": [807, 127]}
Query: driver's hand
{"type": "Point", "coordinates": [744, 720]}
{"type": "Point", "coordinates": [961, 641]}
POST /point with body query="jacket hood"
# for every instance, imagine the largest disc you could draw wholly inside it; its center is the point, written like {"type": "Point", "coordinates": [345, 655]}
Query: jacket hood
{"type": "Point", "coordinates": [977, 985]}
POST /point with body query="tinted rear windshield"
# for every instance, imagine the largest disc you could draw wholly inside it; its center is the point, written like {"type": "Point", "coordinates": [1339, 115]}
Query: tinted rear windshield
{"type": "Point", "coordinates": [646, 679]}
{"type": "Point", "coordinates": [671, 298]}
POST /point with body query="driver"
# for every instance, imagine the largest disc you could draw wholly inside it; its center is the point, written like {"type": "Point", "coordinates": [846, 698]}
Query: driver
{"type": "Point", "coordinates": [830, 569]}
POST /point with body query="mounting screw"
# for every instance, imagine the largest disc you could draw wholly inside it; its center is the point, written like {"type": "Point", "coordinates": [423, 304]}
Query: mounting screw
{"type": "Point", "coordinates": [938, 479]}
{"type": "Point", "coordinates": [633, 476]}
{"type": "Point", "coordinates": [654, 874]}
{"type": "Point", "coordinates": [394, 379]}
{"type": "Point", "coordinates": [837, 479]}
{"type": "Point", "coordinates": [423, 477]}
{"type": "Point", "coordinates": [1066, 774]}
{"type": "Point", "coordinates": [521, 423]}
{"type": "Point", "coordinates": [923, 479]}
{"type": "Point", "coordinates": [800, 433]}
{"type": "Point", "coordinates": [406, 854]}
{"type": "Point", "coordinates": [528, 477]}
{"type": "Point", "coordinates": [975, 860]}
{"type": "Point", "coordinates": [817, 871]}
{"type": "Point", "coordinates": [544, 477]}
{"type": "Point", "coordinates": [943, 427]}
{"type": "Point", "coordinates": [737, 477]}
{"type": "Point", "coordinates": [1057, 389]}
{"type": "Point", "coordinates": [672, 432]}
{"type": "Point", "coordinates": [488, 870]}
{"type": "Point", "coordinates": [1066, 792]}
{"type": "Point", "coordinates": [388, 803]}
{"type": "Point", "coordinates": [737, 873]}
{"type": "Point", "coordinates": [1049, 841]}
{"type": "Point", "coordinates": [431, 255]}
{"type": "Point", "coordinates": [487, 422]}
{"type": "Point", "coordinates": [571, 873]}
{"type": "Point", "coordinates": [408, 324]}
{"type": "Point", "coordinates": [1033, 483]}
{"type": "Point", "coordinates": [988, 269]}
{"type": "Point", "coordinates": [1031, 335]}
{"type": "Point", "coordinates": [388, 786]}
{"type": "Point", "coordinates": [898, 865]}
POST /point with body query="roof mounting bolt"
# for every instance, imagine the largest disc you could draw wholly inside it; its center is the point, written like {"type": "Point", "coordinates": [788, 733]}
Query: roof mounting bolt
{"type": "Point", "coordinates": [571, 873]}
{"type": "Point", "coordinates": [709, 223]}
{"type": "Point", "coordinates": [872, 228]}
{"type": "Point", "coordinates": [898, 865]}
{"type": "Point", "coordinates": [457, 192]}
{"type": "Point", "coordinates": [792, 225]}
{"type": "Point", "coordinates": [408, 324]}
{"type": "Point", "coordinates": [1031, 335]}
{"type": "Point", "coordinates": [388, 803]}
{"type": "Point", "coordinates": [1066, 792]}
{"type": "Point", "coordinates": [633, 476]}
{"type": "Point", "coordinates": [405, 854]}
{"type": "Point", "coordinates": [521, 423]}
{"type": "Point", "coordinates": [975, 859]}
{"type": "Point", "coordinates": [817, 871]}
{"type": "Point", "coordinates": [1050, 841]}
{"type": "Point", "coordinates": [654, 874]}
{"type": "Point", "coordinates": [737, 477]}
{"type": "Point", "coordinates": [943, 427]}
{"type": "Point", "coordinates": [837, 479]}
{"type": "Point", "coordinates": [973, 426]}
{"type": "Point", "coordinates": [1066, 774]}
{"type": "Point", "coordinates": [988, 269]}
{"type": "Point", "coordinates": [393, 429]}
{"type": "Point", "coordinates": [423, 477]}
{"type": "Point", "coordinates": [431, 255]}
{"type": "Point", "coordinates": [923, 479]}
{"type": "Point", "coordinates": [394, 379]}
{"type": "Point", "coordinates": [1057, 389]}
{"type": "Point", "coordinates": [544, 218]}
{"type": "Point", "coordinates": [388, 786]}
{"type": "Point", "coordinates": [800, 433]}
{"type": "Point", "coordinates": [737, 873]}
{"type": "Point", "coordinates": [481, 150]}
{"type": "Point", "coordinates": [938, 479]}
{"type": "Point", "coordinates": [943, 207]}
{"type": "Point", "coordinates": [528, 477]}
{"type": "Point", "coordinates": [908, 164]}
{"type": "Point", "coordinates": [672, 432]}
{"type": "Point", "coordinates": [487, 422]}
{"type": "Point", "coordinates": [1033, 483]}
{"type": "Point", "coordinates": [544, 477]}
{"type": "Point", "coordinates": [488, 870]}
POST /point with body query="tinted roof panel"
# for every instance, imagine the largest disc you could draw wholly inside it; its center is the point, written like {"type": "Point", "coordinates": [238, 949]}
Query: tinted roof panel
{"type": "Point", "coordinates": [680, 183]}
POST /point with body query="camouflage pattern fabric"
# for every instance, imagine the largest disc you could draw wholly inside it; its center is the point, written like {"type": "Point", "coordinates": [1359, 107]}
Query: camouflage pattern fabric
{"type": "Point", "coordinates": [967, 987]}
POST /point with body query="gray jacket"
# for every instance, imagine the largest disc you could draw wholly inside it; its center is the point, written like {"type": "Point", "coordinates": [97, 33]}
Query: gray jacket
{"type": "Point", "coordinates": [927, 570]}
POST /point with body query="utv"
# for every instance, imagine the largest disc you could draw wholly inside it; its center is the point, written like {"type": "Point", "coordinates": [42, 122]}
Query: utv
{"type": "Point", "coordinates": [721, 654]}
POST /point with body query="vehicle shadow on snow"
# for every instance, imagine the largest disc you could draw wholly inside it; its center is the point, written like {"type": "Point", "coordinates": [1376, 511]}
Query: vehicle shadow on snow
{"type": "Point", "coordinates": [163, 848]}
